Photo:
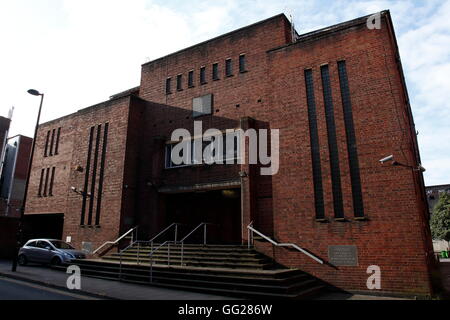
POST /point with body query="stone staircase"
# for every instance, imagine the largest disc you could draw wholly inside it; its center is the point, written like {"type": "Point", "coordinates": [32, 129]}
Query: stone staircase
{"type": "Point", "coordinates": [222, 256]}
{"type": "Point", "coordinates": [227, 270]}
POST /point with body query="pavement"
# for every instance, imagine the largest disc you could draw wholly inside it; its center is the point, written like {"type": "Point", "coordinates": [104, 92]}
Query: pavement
{"type": "Point", "coordinates": [97, 288]}
{"type": "Point", "coordinates": [93, 288]}
{"type": "Point", "coordinates": [11, 289]}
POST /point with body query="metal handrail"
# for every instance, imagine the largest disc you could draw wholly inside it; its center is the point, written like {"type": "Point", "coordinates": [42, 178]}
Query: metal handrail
{"type": "Point", "coordinates": [132, 242]}
{"type": "Point", "coordinates": [164, 231]}
{"type": "Point", "coordinates": [252, 230]}
{"type": "Point", "coordinates": [116, 241]}
{"type": "Point", "coordinates": [156, 249]}
{"type": "Point", "coordinates": [151, 241]}
{"type": "Point", "coordinates": [204, 224]}
{"type": "Point", "coordinates": [195, 229]}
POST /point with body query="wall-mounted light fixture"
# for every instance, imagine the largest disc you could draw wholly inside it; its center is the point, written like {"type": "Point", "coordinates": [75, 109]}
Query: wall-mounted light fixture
{"type": "Point", "coordinates": [74, 189]}
{"type": "Point", "coordinates": [242, 174]}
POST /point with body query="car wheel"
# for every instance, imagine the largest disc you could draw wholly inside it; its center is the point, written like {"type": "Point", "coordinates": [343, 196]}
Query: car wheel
{"type": "Point", "coordinates": [55, 262]}
{"type": "Point", "coordinates": [22, 260]}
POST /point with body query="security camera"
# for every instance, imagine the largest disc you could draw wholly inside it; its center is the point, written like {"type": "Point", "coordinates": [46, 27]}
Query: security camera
{"type": "Point", "coordinates": [388, 158]}
{"type": "Point", "coordinates": [421, 168]}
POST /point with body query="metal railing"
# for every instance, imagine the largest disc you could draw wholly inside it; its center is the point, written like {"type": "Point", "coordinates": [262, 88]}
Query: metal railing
{"type": "Point", "coordinates": [204, 225]}
{"type": "Point", "coordinates": [182, 241]}
{"type": "Point", "coordinates": [133, 232]}
{"type": "Point", "coordinates": [163, 232]}
{"type": "Point", "coordinates": [151, 242]}
{"type": "Point", "coordinates": [252, 230]}
{"type": "Point", "coordinates": [152, 252]}
{"type": "Point", "coordinates": [153, 249]}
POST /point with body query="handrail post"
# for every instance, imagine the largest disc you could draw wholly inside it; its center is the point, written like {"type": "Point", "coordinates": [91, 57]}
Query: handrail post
{"type": "Point", "coordinates": [176, 232]}
{"type": "Point", "coordinates": [168, 254]}
{"type": "Point", "coordinates": [139, 253]}
{"type": "Point", "coordinates": [151, 269]}
{"type": "Point", "coordinates": [182, 252]}
{"type": "Point", "coordinates": [204, 235]}
{"type": "Point", "coordinates": [120, 267]}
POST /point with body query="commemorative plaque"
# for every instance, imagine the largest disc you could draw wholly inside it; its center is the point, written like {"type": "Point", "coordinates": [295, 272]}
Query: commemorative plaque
{"type": "Point", "coordinates": [343, 255]}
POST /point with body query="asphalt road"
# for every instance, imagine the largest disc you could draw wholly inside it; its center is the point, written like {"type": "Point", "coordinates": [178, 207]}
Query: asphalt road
{"type": "Point", "coordinates": [19, 290]}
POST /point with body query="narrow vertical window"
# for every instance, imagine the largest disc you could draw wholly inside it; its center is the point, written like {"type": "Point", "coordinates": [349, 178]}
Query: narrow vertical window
{"type": "Point", "coordinates": [179, 82]}
{"type": "Point", "coordinates": [332, 144]}
{"type": "Point", "coordinates": [46, 144]}
{"type": "Point", "coordinates": [40, 183]}
{"type": "Point", "coordinates": [315, 147]}
{"type": "Point", "coordinates": [52, 180]}
{"type": "Point", "coordinates": [86, 176]}
{"type": "Point", "coordinates": [52, 142]}
{"type": "Point", "coordinates": [228, 67]}
{"type": "Point", "coordinates": [168, 156]}
{"type": "Point", "coordinates": [58, 134]}
{"type": "Point", "coordinates": [191, 79]}
{"type": "Point", "coordinates": [202, 75]}
{"type": "Point", "coordinates": [215, 71]}
{"type": "Point", "coordinates": [242, 63]}
{"type": "Point", "coordinates": [168, 84]}
{"type": "Point", "coordinates": [353, 161]}
{"type": "Point", "coordinates": [101, 175]}
{"type": "Point", "coordinates": [94, 175]}
{"type": "Point", "coordinates": [47, 171]}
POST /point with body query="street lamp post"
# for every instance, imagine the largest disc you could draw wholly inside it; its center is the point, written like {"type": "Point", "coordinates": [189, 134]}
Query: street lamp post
{"type": "Point", "coordinates": [22, 208]}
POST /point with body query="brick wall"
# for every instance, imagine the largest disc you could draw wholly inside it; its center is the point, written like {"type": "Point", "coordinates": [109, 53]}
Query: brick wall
{"type": "Point", "coordinates": [70, 166]}
{"type": "Point", "coordinates": [395, 235]}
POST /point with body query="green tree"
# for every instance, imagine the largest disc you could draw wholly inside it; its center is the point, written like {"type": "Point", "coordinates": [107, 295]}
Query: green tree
{"type": "Point", "coordinates": [440, 219]}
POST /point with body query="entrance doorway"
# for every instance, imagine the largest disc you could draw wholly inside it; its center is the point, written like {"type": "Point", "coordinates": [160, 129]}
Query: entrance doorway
{"type": "Point", "coordinates": [220, 208]}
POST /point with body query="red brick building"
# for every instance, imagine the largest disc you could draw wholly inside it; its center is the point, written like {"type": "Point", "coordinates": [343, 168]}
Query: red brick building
{"type": "Point", "coordinates": [339, 99]}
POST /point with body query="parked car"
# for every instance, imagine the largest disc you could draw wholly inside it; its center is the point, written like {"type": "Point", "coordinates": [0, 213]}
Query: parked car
{"type": "Point", "coordinates": [48, 251]}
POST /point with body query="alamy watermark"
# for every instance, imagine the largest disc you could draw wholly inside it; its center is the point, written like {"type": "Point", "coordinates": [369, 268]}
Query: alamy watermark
{"type": "Point", "coordinates": [74, 280]}
{"type": "Point", "coordinates": [374, 281]}
{"type": "Point", "coordinates": [374, 21]}
{"type": "Point", "coordinates": [217, 147]}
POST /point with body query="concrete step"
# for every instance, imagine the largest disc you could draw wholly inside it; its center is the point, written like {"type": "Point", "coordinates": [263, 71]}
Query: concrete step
{"type": "Point", "coordinates": [199, 262]}
{"type": "Point", "coordinates": [251, 293]}
{"type": "Point", "coordinates": [275, 273]}
{"type": "Point", "coordinates": [193, 249]}
{"type": "Point", "coordinates": [280, 283]}
{"type": "Point", "coordinates": [220, 256]}
{"type": "Point", "coordinates": [192, 256]}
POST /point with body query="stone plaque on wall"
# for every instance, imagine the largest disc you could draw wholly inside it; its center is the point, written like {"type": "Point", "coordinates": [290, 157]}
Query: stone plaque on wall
{"type": "Point", "coordinates": [343, 255]}
{"type": "Point", "coordinates": [86, 247]}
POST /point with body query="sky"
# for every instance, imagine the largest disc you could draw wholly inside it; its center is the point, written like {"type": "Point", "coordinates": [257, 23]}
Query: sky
{"type": "Point", "coordinates": [80, 52]}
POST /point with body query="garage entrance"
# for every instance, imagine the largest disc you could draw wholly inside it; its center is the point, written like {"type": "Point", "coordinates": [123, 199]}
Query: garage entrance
{"type": "Point", "coordinates": [49, 226]}
{"type": "Point", "coordinates": [220, 208]}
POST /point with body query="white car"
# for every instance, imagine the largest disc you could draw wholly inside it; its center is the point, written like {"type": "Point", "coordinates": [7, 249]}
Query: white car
{"type": "Point", "coordinates": [48, 251]}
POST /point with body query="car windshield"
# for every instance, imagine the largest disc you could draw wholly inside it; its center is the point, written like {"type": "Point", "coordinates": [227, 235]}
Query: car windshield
{"type": "Point", "coordinates": [61, 245]}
